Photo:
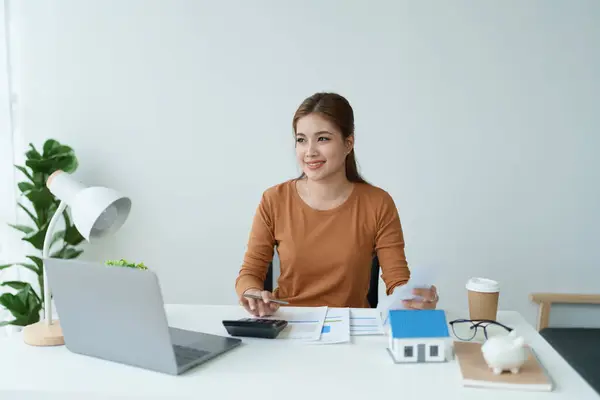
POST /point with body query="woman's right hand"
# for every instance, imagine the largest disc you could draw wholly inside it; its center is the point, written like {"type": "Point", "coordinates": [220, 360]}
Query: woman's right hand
{"type": "Point", "coordinates": [259, 308]}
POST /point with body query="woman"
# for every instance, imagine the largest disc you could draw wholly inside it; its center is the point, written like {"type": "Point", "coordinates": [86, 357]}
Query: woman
{"type": "Point", "coordinates": [327, 224]}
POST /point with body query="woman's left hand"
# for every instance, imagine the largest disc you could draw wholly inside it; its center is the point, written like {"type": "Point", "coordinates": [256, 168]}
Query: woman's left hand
{"type": "Point", "coordinates": [428, 301]}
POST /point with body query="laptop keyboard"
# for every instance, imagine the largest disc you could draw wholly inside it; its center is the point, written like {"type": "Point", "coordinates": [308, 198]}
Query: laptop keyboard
{"type": "Point", "coordinates": [184, 354]}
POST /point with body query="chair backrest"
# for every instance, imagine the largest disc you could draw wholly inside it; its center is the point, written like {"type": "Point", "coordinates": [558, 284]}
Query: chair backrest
{"type": "Point", "coordinates": [372, 295]}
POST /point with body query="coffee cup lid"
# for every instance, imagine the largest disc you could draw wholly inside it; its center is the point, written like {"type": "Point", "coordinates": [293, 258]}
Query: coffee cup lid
{"type": "Point", "coordinates": [483, 285]}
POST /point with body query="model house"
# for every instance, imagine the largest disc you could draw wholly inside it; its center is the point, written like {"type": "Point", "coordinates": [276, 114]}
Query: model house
{"type": "Point", "coordinates": [418, 335]}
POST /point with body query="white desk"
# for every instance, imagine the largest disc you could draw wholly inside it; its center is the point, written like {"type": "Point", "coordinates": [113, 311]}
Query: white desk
{"type": "Point", "coordinates": [265, 369]}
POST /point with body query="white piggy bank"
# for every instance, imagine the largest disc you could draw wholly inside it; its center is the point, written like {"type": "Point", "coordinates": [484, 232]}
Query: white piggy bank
{"type": "Point", "coordinates": [504, 353]}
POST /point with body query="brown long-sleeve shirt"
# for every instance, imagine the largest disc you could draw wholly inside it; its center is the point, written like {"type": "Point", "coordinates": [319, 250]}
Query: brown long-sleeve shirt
{"type": "Point", "coordinates": [325, 256]}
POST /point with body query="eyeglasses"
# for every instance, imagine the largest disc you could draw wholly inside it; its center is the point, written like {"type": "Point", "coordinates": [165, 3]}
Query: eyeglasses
{"type": "Point", "coordinates": [466, 329]}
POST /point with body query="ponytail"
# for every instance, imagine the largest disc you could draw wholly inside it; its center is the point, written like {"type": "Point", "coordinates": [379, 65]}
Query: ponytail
{"type": "Point", "coordinates": [352, 173]}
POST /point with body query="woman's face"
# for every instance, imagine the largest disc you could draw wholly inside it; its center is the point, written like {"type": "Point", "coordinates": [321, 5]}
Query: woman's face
{"type": "Point", "coordinates": [320, 148]}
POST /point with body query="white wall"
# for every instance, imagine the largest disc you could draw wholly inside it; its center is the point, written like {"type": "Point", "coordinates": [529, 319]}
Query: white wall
{"type": "Point", "coordinates": [478, 117]}
{"type": "Point", "coordinates": [10, 247]}
{"type": "Point", "coordinates": [7, 183]}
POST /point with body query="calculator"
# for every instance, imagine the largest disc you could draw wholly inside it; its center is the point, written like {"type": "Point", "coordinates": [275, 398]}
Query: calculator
{"type": "Point", "coordinates": [255, 327]}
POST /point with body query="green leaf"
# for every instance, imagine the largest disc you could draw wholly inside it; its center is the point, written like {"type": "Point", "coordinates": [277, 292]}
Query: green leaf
{"type": "Point", "coordinates": [32, 318]}
{"type": "Point", "coordinates": [33, 154]}
{"type": "Point", "coordinates": [22, 228]}
{"type": "Point", "coordinates": [23, 321]}
{"type": "Point", "coordinates": [59, 150]}
{"type": "Point", "coordinates": [25, 306]}
{"type": "Point", "coordinates": [22, 296]}
{"type": "Point", "coordinates": [67, 253]}
{"type": "Point", "coordinates": [58, 253]}
{"type": "Point", "coordinates": [25, 186]}
{"type": "Point", "coordinates": [25, 172]}
{"type": "Point", "coordinates": [64, 150]}
{"type": "Point", "coordinates": [41, 165]}
{"type": "Point", "coordinates": [39, 178]}
{"type": "Point", "coordinates": [58, 235]}
{"type": "Point", "coordinates": [68, 164]}
{"type": "Point", "coordinates": [52, 209]}
{"type": "Point", "coordinates": [72, 253]}
{"type": "Point", "coordinates": [4, 323]}
{"type": "Point", "coordinates": [38, 262]}
{"type": "Point", "coordinates": [30, 267]}
{"type": "Point", "coordinates": [36, 239]}
{"type": "Point", "coordinates": [34, 310]}
{"type": "Point", "coordinates": [4, 266]}
{"type": "Point", "coordinates": [41, 198]}
{"type": "Point", "coordinates": [33, 218]}
{"type": "Point", "coordinates": [15, 284]}
{"type": "Point", "coordinates": [66, 217]}
{"type": "Point", "coordinates": [44, 216]}
{"type": "Point", "coordinates": [29, 297]}
{"type": "Point", "coordinates": [11, 303]}
{"type": "Point", "coordinates": [50, 147]}
{"type": "Point", "coordinates": [72, 236]}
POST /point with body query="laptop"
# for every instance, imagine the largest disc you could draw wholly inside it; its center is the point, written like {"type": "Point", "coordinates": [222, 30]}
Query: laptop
{"type": "Point", "coordinates": [117, 314]}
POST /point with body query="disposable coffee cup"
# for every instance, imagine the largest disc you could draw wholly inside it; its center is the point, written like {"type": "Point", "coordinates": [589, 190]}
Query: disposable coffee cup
{"type": "Point", "coordinates": [483, 298]}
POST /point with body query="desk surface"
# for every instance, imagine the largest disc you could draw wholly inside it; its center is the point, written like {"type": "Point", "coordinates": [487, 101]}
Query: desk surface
{"type": "Point", "coordinates": [259, 368]}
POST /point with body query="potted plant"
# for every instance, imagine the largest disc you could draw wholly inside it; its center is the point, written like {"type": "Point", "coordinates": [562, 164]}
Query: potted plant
{"type": "Point", "coordinates": [23, 302]}
{"type": "Point", "coordinates": [124, 263]}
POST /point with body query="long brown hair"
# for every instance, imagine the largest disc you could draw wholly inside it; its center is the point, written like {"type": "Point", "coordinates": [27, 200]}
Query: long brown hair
{"type": "Point", "coordinates": [337, 110]}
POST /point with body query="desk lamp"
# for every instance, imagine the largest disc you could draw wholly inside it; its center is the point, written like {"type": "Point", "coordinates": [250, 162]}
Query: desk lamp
{"type": "Point", "coordinates": [96, 212]}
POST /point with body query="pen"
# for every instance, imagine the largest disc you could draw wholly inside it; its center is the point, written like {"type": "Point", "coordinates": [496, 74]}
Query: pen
{"type": "Point", "coordinates": [257, 297]}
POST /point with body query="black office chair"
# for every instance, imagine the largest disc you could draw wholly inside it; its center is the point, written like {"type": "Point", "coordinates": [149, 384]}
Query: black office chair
{"type": "Point", "coordinates": [372, 295]}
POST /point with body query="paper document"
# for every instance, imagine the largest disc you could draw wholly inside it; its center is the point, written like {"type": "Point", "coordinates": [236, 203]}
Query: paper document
{"type": "Point", "coordinates": [304, 323]}
{"type": "Point", "coordinates": [336, 328]}
{"type": "Point", "coordinates": [420, 277]}
{"type": "Point", "coordinates": [365, 321]}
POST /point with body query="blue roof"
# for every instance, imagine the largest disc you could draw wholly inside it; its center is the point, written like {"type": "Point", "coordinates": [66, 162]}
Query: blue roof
{"type": "Point", "coordinates": [418, 324]}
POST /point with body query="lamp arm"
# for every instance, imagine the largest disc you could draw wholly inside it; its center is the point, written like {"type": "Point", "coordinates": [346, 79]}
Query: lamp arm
{"type": "Point", "coordinates": [45, 254]}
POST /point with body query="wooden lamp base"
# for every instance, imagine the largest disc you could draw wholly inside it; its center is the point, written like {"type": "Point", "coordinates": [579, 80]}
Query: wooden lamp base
{"type": "Point", "coordinates": [42, 334]}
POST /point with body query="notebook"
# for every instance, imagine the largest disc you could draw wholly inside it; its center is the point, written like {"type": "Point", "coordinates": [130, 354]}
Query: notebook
{"type": "Point", "coordinates": [476, 373]}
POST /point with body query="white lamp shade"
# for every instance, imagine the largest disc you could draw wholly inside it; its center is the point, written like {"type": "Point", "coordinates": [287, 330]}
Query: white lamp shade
{"type": "Point", "coordinates": [96, 211]}
{"type": "Point", "coordinates": [99, 211]}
